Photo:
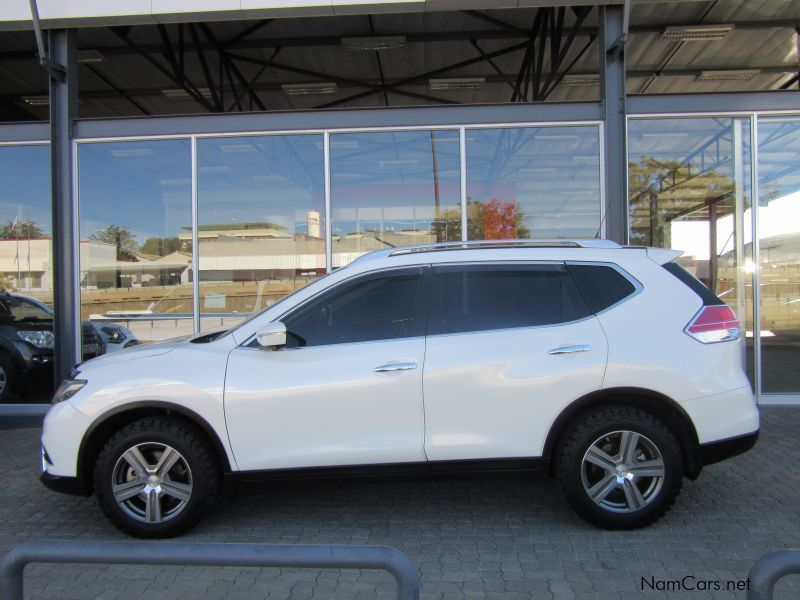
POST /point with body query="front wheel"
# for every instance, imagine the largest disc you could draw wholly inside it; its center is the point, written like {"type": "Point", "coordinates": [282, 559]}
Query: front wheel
{"type": "Point", "coordinates": [620, 467]}
{"type": "Point", "coordinates": [156, 477]}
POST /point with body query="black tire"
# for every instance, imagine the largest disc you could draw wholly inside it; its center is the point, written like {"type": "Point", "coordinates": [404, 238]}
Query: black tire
{"type": "Point", "coordinates": [157, 512]}
{"type": "Point", "coordinates": [617, 504]}
{"type": "Point", "coordinates": [8, 377]}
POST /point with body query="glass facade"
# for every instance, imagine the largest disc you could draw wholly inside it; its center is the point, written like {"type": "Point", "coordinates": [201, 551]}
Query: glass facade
{"type": "Point", "coordinates": [135, 205]}
{"type": "Point", "coordinates": [779, 252]}
{"type": "Point", "coordinates": [393, 188]}
{"type": "Point", "coordinates": [689, 182]}
{"type": "Point", "coordinates": [533, 182]}
{"type": "Point", "coordinates": [256, 217]}
{"type": "Point", "coordinates": [25, 220]}
{"type": "Point", "coordinates": [261, 230]}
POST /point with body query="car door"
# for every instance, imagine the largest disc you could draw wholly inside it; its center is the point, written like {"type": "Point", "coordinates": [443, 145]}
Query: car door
{"type": "Point", "coordinates": [508, 347]}
{"type": "Point", "coordinates": [346, 389]}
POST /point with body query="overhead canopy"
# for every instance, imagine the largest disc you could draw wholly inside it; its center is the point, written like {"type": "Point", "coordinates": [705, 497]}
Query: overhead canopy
{"type": "Point", "coordinates": [403, 54]}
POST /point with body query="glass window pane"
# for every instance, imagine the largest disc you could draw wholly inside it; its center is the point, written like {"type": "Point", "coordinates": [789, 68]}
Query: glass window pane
{"type": "Point", "coordinates": [779, 248]}
{"type": "Point", "coordinates": [601, 286]}
{"type": "Point", "coordinates": [26, 272]}
{"type": "Point", "coordinates": [135, 250]}
{"type": "Point", "coordinates": [261, 207]}
{"type": "Point", "coordinates": [466, 298]}
{"type": "Point", "coordinates": [393, 188]}
{"type": "Point", "coordinates": [533, 182]}
{"type": "Point", "coordinates": [690, 189]}
{"type": "Point", "coordinates": [379, 307]}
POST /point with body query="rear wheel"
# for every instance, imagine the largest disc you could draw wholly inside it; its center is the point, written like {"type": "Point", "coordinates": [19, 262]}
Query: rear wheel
{"type": "Point", "coordinates": [620, 467]}
{"type": "Point", "coordinates": [157, 477]}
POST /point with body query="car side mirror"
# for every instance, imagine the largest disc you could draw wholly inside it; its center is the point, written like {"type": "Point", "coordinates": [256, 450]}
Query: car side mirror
{"type": "Point", "coordinates": [272, 335]}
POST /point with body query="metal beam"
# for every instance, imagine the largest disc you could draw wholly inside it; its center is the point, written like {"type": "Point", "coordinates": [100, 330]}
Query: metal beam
{"type": "Point", "coordinates": [65, 246]}
{"type": "Point", "coordinates": [612, 93]}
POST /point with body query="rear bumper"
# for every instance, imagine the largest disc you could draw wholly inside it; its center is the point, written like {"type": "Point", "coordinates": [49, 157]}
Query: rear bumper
{"type": "Point", "coordinates": [64, 485]}
{"type": "Point", "coordinates": [714, 452]}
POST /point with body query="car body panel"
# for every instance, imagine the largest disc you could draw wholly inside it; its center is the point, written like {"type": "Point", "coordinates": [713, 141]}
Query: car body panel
{"type": "Point", "coordinates": [494, 394]}
{"type": "Point", "coordinates": [325, 405]}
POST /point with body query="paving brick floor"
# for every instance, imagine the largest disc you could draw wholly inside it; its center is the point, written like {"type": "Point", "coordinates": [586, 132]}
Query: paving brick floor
{"type": "Point", "coordinates": [471, 537]}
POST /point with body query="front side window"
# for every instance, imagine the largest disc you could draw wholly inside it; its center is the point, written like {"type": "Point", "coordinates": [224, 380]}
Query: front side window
{"type": "Point", "coordinates": [375, 307]}
{"type": "Point", "coordinates": [487, 297]}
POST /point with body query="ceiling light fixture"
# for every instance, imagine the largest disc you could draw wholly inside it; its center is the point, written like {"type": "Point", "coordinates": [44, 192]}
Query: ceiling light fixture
{"type": "Point", "coordinates": [309, 89]}
{"type": "Point", "coordinates": [374, 43]}
{"type": "Point", "coordinates": [90, 56]}
{"type": "Point", "coordinates": [697, 33]}
{"type": "Point", "coordinates": [182, 94]}
{"type": "Point", "coordinates": [581, 80]}
{"type": "Point", "coordinates": [457, 83]}
{"type": "Point", "coordinates": [40, 100]}
{"type": "Point", "coordinates": [728, 75]}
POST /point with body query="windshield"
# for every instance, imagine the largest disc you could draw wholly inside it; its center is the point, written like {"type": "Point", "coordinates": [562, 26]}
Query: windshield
{"type": "Point", "coordinates": [22, 310]}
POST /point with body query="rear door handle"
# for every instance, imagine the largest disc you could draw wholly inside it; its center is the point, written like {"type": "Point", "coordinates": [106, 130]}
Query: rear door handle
{"type": "Point", "coordinates": [570, 349]}
{"type": "Point", "coordinates": [398, 366]}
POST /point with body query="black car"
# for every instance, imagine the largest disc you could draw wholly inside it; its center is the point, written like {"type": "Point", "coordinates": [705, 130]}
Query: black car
{"type": "Point", "coordinates": [26, 347]}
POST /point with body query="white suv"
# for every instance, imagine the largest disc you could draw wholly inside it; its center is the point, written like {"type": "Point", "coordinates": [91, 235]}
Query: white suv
{"type": "Point", "coordinates": [608, 367]}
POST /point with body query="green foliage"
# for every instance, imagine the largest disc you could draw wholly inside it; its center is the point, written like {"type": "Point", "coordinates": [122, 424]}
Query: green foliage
{"type": "Point", "coordinates": [121, 237]}
{"type": "Point", "coordinates": [21, 230]}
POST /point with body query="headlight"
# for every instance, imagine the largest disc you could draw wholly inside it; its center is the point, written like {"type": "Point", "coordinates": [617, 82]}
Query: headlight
{"type": "Point", "coordinates": [115, 336]}
{"type": "Point", "coordinates": [67, 389]}
{"type": "Point", "coordinates": [40, 339]}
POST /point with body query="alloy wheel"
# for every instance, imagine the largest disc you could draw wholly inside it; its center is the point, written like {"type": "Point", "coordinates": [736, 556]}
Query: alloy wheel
{"type": "Point", "coordinates": [622, 471]}
{"type": "Point", "coordinates": [152, 482]}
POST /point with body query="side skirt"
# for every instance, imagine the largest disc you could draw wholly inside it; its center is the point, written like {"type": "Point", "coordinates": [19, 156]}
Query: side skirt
{"type": "Point", "coordinates": [528, 466]}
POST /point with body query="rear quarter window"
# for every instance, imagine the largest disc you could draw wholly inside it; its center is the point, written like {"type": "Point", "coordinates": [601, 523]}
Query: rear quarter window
{"type": "Point", "coordinates": [601, 285]}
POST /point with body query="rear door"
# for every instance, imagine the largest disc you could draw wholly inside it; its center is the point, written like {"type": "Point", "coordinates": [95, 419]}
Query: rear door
{"type": "Point", "coordinates": [508, 347]}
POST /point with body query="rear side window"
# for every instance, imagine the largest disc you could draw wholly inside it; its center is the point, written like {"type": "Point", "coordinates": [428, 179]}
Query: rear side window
{"type": "Point", "coordinates": [706, 295]}
{"type": "Point", "coordinates": [486, 297]}
{"type": "Point", "coordinates": [602, 286]}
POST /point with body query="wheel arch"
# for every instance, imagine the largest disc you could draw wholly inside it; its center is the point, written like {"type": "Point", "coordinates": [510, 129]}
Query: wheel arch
{"type": "Point", "coordinates": [102, 429]}
{"type": "Point", "coordinates": [659, 405]}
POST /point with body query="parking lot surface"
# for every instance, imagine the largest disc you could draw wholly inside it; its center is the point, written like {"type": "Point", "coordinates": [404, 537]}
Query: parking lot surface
{"type": "Point", "coordinates": [470, 536]}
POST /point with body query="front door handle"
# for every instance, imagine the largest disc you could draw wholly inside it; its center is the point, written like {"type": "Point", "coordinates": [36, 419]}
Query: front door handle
{"type": "Point", "coordinates": [398, 366]}
{"type": "Point", "coordinates": [570, 349]}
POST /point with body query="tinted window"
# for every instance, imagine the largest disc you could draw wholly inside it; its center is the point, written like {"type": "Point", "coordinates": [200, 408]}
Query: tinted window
{"type": "Point", "coordinates": [376, 307]}
{"type": "Point", "coordinates": [708, 297]}
{"type": "Point", "coordinates": [601, 286]}
{"type": "Point", "coordinates": [475, 298]}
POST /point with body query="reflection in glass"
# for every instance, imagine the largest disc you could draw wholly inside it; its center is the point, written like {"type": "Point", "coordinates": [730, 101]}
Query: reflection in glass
{"type": "Point", "coordinates": [393, 188]}
{"type": "Point", "coordinates": [779, 253]}
{"type": "Point", "coordinates": [25, 220]}
{"type": "Point", "coordinates": [690, 189]}
{"type": "Point", "coordinates": [261, 204]}
{"type": "Point", "coordinates": [533, 182]}
{"type": "Point", "coordinates": [26, 273]}
{"type": "Point", "coordinates": [135, 263]}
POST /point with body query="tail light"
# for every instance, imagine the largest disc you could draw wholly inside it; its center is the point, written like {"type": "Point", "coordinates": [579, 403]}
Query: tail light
{"type": "Point", "coordinates": [716, 323]}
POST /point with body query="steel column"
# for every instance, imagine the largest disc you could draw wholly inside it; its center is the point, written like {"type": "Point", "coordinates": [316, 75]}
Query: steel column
{"type": "Point", "coordinates": [65, 246]}
{"type": "Point", "coordinates": [612, 90]}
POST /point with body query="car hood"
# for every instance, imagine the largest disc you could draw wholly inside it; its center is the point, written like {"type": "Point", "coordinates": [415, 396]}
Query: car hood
{"type": "Point", "coordinates": [135, 353]}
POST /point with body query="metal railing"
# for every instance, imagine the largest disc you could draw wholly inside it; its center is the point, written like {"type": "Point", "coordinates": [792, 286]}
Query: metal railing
{"type": "Point", "coordinates": [769, 569]}
{"type": "Point", "coordinates": [219, 555]}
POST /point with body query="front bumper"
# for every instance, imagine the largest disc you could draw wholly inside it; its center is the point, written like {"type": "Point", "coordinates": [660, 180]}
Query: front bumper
{"type": "Point", "coordinates": [64, 485]}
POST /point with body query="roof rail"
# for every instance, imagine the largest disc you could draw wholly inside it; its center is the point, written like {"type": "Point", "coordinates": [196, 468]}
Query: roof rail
{"type": "Point", "coordinates": [476, 244]}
